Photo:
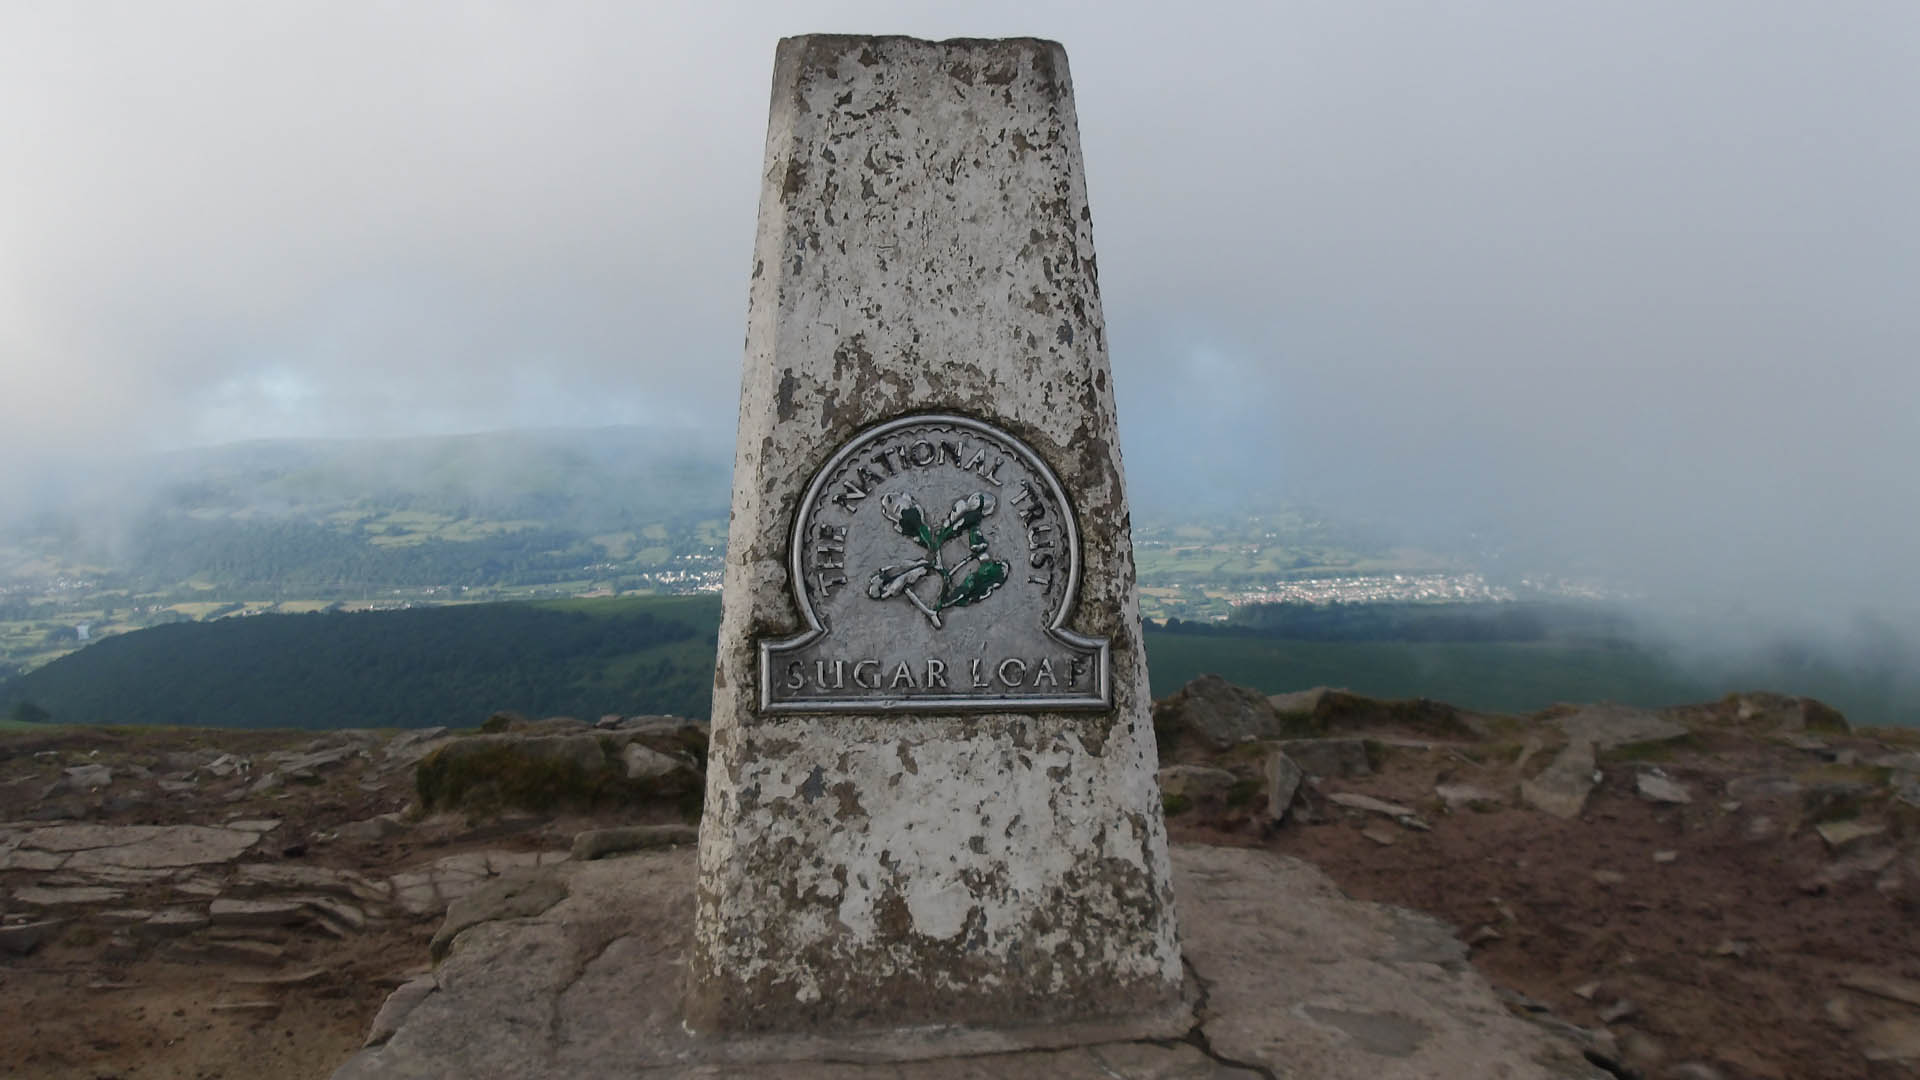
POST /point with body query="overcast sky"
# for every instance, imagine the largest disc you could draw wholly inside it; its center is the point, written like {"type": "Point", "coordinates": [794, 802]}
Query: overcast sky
{"type": "Point", "coordinates": [1625, 287]}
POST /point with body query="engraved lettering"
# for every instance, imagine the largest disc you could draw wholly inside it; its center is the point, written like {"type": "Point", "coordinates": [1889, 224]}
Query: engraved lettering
{"type": "Point", "coordinates": [945, 612]}
{"type": "Point", "coordinates": [1035, 508]}
{"type": "Point", "coordinates": [845, 499]}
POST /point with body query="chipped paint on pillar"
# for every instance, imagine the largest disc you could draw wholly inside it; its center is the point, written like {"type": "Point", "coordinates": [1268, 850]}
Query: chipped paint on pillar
{"type": "Point", "coordinates": [925, 247]}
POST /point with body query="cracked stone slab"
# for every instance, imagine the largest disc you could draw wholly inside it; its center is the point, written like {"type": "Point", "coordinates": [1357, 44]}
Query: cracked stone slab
{"type": "Point", "coordinates": [139, 847]}
{"type": "Point", "coordinates": [1299, 982]}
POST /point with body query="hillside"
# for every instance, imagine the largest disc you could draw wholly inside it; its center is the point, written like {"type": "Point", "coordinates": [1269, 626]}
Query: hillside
{"type": "Point", "coordinates": [332, 518]}
{"type": "Point", "coordinates": [413, 668]}
{"type": "Point", "coordinates": [455, 665]}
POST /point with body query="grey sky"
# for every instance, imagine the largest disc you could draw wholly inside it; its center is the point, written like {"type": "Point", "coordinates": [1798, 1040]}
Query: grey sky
{"type": "Point", "coordinates": [1630, 286]}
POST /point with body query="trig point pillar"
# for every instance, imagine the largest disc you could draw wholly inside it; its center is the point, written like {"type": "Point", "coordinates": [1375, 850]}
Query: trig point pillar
{"type": "Point", "coordinates": [931, 796]}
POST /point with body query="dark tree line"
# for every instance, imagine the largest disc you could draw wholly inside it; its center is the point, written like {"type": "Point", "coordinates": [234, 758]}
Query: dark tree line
{"type": "Point", "coordinates": [413, 668]}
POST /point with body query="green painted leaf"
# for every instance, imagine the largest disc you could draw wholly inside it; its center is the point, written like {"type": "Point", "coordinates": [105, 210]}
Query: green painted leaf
{"type": "Point", "coordinates": [977, 585]}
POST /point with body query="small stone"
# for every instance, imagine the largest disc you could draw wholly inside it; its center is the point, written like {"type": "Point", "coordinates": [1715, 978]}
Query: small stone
{"type": "Point", "coordinates": [1483, 934]}
{"type": "Point", "coordinates": [599, 843]}
{"type": "Point", "coordinates": [88, 777]}
{"type": "Point", "coordinates": [1368, 804]}
{"type": "Point", "coordinates": [1329, 757]}
{"type": "Point", "coordinates": [1656, 787]}
{"type": "Point", "coordinates": [1618, 1011]}
{"type": "Point", "coordinates": [1456, 796]}
{"type": "Point", "coordinates": [1840, 1012]}
{"type": "Point", "coordinates": [646, 763]}
{"type": "Point", "coordinates": [1195, 782]}
{"type": "Point", "coordinates": [371, 830]}
{"type": "Point", "coordinates": [173, 922]}
{"type": "Point", "coordinates": [1284, 777]}
{"type": "Point", "coordinates": [1842, 836]}
{"type": "Point", "coordinates": [1730, 948]}
{"type": "Point", "coordinates": [1585, 991]}
{"type": "Point", "coordinates": [120, 949]}
{"type": "Point", "coordinates": [227, 765]}
{"type": "Point", "coordinates": [230, 912]}
{"type": "Point", "coordinates": [255, 825]}
{"type": "Point", "coordinates": [122, 916]}
{"type": "Point", "coordinates": [1379, 834]}
{"type": "Point", "coordinates": [1889, 987]}
{"type": "Point", "coordinates": [1609, 877]}
{"type": "Point", "coordinates": [23, 938]}
{"type": "Point", "coordinates": [1665, 856]}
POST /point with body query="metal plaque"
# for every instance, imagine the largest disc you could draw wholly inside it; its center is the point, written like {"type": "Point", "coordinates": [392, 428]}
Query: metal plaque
{"type": "Point", "coordinates": [935, 561]}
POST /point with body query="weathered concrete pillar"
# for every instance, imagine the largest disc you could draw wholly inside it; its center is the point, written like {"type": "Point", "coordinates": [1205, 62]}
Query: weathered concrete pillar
{"type": "Point", "coordinates": [931, 794]}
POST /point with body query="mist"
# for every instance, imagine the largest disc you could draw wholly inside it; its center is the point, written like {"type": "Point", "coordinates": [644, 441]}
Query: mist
{"type": "Point", "coordinates": [1622, 292]}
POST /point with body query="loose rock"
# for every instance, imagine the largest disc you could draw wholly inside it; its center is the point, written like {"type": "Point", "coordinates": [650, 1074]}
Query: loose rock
{"type": "Point", "coordinates": [1561, 790]}
{"type": "Point", "coordinates": [1657, 787]}
{"type": "Point", "coordinates": [600, 843]}
{"type": "Point", "coordinates": [1194, 782]}
{"type": "Point", "coordinates": [1284, 777]}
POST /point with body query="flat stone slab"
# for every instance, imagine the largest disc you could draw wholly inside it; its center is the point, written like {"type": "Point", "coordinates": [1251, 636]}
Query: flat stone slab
{"type": "Point", "coordinates": [1298, 981]}
{"type": "Point", "coordinates": [141, 847]}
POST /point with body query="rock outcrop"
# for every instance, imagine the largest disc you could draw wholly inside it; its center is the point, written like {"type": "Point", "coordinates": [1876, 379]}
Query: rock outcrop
{"type": "Point", "coordinates": [585, 989]}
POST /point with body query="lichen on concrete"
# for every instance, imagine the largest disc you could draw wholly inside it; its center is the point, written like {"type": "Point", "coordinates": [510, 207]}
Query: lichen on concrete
{"type": "Point", "coordinates": [925, 246]}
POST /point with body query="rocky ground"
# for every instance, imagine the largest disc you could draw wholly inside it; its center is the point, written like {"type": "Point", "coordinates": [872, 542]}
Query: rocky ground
{"type": "Point", "coordinates": [1716, 891]}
